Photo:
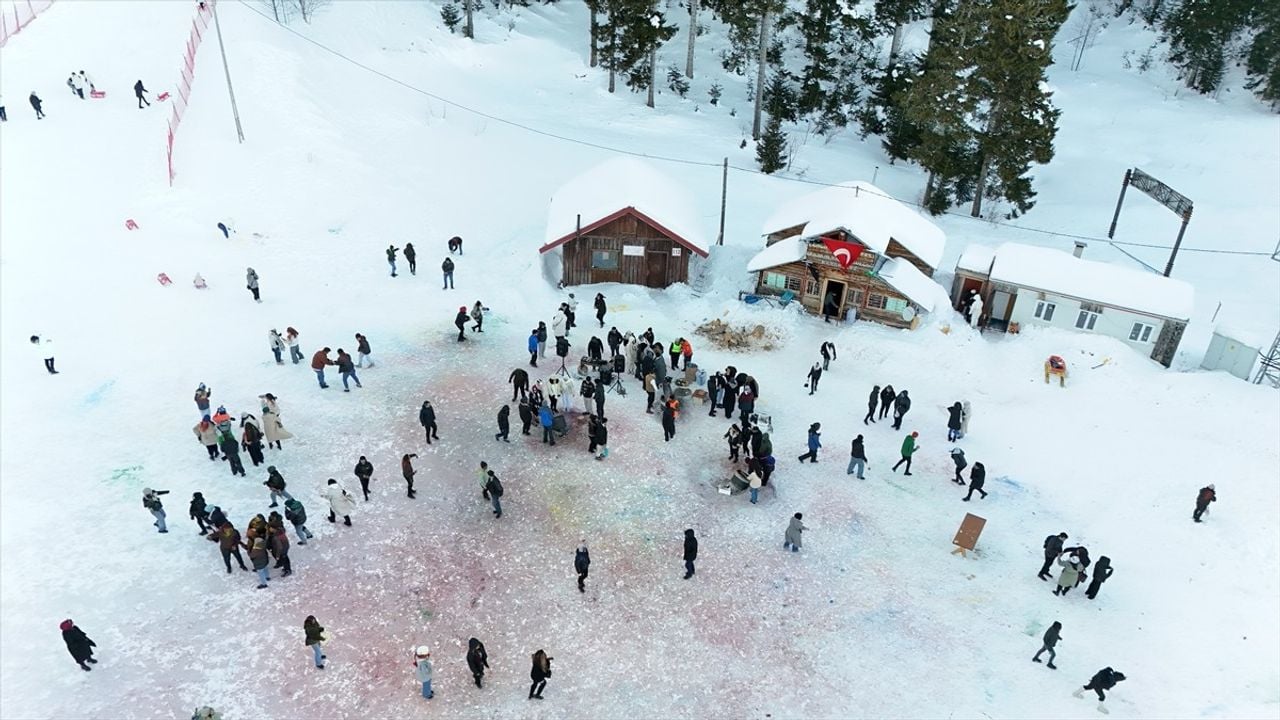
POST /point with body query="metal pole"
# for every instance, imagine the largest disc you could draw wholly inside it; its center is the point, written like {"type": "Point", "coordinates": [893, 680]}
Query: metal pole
{"type": "Point", "coordinates": [1114, 218]}
{"type": "Point", "coordinates": [1186, 218]}
{"type": "Point", "coordinates": [724, 195]}
{"type": "Point", "coordinates": [235, 112]}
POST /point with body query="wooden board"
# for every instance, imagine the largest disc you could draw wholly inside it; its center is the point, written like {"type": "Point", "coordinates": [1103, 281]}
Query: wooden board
{"type": "Point", "coordinates": [970, 528]}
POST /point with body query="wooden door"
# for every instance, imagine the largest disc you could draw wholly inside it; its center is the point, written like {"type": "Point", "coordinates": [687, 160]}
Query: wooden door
{"type": "Point", "coordinates": [656, 268]}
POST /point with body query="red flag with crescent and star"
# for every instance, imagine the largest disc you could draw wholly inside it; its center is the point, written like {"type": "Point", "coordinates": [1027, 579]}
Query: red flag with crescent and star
{"type": "Point", "coordinates": [846, 253]}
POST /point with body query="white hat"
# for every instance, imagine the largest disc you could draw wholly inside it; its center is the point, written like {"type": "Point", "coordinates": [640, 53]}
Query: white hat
{"type": "Point", "coordinates": [423, 651]}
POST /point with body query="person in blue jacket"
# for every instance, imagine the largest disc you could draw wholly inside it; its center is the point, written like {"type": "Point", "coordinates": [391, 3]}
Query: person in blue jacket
{"type": "Point", "coordinates": [814, 443]}
{"type": "Point", "coordinates": [546, 418]}
{"type": "Point", "coordinates": [533, 347]}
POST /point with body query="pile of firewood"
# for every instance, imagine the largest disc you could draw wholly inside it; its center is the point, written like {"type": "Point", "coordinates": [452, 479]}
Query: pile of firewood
{"type": "Point", "coordinates": [742, 337]}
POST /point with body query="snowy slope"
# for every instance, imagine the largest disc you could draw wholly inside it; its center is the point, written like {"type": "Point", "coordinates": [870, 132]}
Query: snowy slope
{"type": "Point", "coordinates": [873, 618]}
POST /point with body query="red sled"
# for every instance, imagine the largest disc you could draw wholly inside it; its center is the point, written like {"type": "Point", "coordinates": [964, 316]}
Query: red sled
{"type": "Point", "coordinates": [163, 279]}
{"type": "Point", "coordinates": [130, 224]}
{"type": "Point", "coordinates": [97, 94]}
{"type": "Point", "coordinates": [162, 96]}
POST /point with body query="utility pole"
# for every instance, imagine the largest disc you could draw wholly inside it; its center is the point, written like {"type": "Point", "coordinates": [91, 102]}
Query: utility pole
{"type": "Point", "coordinates": [724, 195]}
{"type": "Point", "coordinates": [235, 112]}
{"type": "Point", "coordinates": [693, 36]}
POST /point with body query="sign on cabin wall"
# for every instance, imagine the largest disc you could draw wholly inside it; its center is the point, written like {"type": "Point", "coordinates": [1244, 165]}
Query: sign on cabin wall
{"type": "Point", "coordinates": [633, 250]}
{"type": "Point", "coordinates": [675, 252]}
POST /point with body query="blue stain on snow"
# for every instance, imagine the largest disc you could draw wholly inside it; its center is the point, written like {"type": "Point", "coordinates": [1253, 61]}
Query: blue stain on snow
{"type": "Point", "coordinates": [95, 397]}
{"type": "Point", "coordinates": [1010, 484]}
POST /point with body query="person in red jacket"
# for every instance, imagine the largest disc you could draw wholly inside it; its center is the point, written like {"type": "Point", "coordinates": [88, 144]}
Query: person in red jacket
{"type": "Point", "coordinates": [1206, 496]}
{"type": "Point", "coordinates": [318, 361]}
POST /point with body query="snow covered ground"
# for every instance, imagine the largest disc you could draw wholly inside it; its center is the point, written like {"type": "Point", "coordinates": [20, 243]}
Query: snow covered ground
{"type": "Point", "coordinates": [873, 618]}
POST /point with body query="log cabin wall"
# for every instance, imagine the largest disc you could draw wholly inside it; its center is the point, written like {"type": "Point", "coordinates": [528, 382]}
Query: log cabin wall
{"type": "Point", "coordinates": [657, 268]}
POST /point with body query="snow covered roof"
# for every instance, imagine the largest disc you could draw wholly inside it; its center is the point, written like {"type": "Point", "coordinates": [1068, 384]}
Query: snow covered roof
{"type": "Point", "coordinates": [784, 251]}
{"type": "Point", "coordinates": [907, 279]}
{"type": "Point", "coordinates": [976, 259]}
{"type": "Point", "coordinates": [1060, 272]}
{"type": "Point", "coordinates": [606, 191]}
{"type": "Point", "coordinates": [866, 212]}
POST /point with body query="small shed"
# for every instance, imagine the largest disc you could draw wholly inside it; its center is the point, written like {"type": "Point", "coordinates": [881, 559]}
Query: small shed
{"type": "Point", "coordinates": [1234, 351]}
{"type": "Point", "coordinates": [623, 221]}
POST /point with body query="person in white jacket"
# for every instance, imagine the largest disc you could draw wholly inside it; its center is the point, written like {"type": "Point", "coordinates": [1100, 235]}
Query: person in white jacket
{"type": "Point", "coordinates": [43, 348]}
{"type": "Point", "coordinates": [554, 391]}
{"type": "Point", "coordinates": [571, 310]}
{"type": "Point", "coordinates": [341, 502]}
{"type": "Point", "coordinates": [277, 345]}
{"type": "Point", "coordinates": [291, 339]}
{"type": "Point", "coordinates": [559, 323]}
{"type": "Point", "coordinates": [422, 667]}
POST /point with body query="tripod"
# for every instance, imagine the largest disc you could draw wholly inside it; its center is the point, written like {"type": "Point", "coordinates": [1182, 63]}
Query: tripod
{"type": "Point", "coordinates": [617, 385]}
{"type": "Point", "coordinates": [563, 370]}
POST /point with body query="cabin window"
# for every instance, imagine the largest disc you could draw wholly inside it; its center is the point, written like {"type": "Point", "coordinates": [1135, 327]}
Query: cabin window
{"type": "Point", "coordinates": [1044, 310]}
{"type": "Point", "coordinates": [811, 287]}
{"type": "Point", "coordinates": [895, 305]}
{"type": "Point", "coordinates": [853, 298]}
{"type": "Point", "coordinates": [1086, 319]}
{"type": "Point", "coordinates": [604, 259]}
{"type": "Point", "coordinates": [1141, 332]}
{"type": "Point", "coordinates": [777, 281]}
{"type": "Point", "coordinates": [875, 301]}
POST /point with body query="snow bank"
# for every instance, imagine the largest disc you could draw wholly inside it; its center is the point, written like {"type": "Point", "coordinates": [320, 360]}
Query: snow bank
{"type": "Point", "coordinates": [908, 280]}
{"type": "Point", "coordinates": [787, 250]}
{"type": "Point", "coordinates": [976, 258]}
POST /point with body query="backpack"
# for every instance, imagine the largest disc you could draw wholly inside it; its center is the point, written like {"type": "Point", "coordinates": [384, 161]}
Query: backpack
{"type": "Point", "coordinates": [497, 487]}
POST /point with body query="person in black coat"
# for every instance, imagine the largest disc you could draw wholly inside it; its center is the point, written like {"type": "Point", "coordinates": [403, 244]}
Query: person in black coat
{"type": "Point", "coordinates": [828, 350]}
{"type": "Point", "coordinates": [539, 674]}
{"type": "Point", "coordinates": [364, 472]}
{"type": "Point", "coordinates": [581, 564]}
{"type": "Point", "coordinates": [729, 389]}
{"type": "Point", "coordinates": [477, 659]}
{"type": "Point", "coordinates": [412, 256]}
{"type": "Point", "coordinates": [1052, 549]}
{"type": "Point", "coordinates": [614, 339]}
{"type": "Point", "coordinates": [526, 416]}
{"type": "Point", "coordinates": [713, 386]}
{"type": "Point", "coordinates": [601, 309]}
{"type": "Point", "coordinates": [1100, 575]}
{"type": "Point", "coordinates": [504, 424]}
{"type": "Point", "coordinates": [519, 380]}
{"type": "Point", "coordinates": [78, 644]}
{"type": "Point", "coordinates": [871, 405]}
{"type": "Point", "coordinates": [1081, 553]}
{"type": "Point", "coordinates": [977, 476]}
{"type": "Point", "coordinates": [595, 348]}
{"type": "Point", "coordinates": [200, 513]}
{"type": "Point", "coordinates": [901, 405]}
{"type": "Point", "coordinates": [1104, 679]}
{"type": "Point", "coordinates": [690, 552]}
{"type": "Point", "coordinates": [138, 90]}
{"type": "Point", "coordinates": [668, 421]}
{"type": "Point", "coordinates": [460, 321]}
{"type": "Point", "coordinates": [954, 415]}
{"type": "Point", "coordinates": [427, 418]}
{"type": "Point", "coordinates": [887, 396]}
{"type": "Point", "coordinates": [1206, 495]}
{"type": "Point", "coordinates": [815, 374]}
{"type": "Point", "coordinates": [599, 397]}
{"type": "Point", "coordinates": [1051, 638]}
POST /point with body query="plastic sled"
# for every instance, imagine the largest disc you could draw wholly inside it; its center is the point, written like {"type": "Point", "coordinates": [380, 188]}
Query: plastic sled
{"type": "Point", "coordinates": [163, 279]}
{"type": "Point", "coordinates": [97, 94]}
{"type": "Point", "coordinates": [130, 224]}
{"type": "Point", "coordinates": [162, 97]}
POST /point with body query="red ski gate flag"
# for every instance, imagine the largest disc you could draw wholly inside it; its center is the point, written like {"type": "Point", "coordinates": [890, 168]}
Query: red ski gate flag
{"type": "Point", "coordinates": [845, 252]}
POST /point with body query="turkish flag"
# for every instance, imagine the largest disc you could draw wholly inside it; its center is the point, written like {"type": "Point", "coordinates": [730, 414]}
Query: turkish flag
{"type": "Point", "coordinates": [845, 252]}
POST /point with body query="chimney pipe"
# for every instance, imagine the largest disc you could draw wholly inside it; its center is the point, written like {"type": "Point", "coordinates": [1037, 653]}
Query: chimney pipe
{"type": "Point", "coordinates": [1080, 245]}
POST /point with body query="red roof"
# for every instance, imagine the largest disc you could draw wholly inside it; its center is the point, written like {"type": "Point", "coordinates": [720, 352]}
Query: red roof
{"type": "Point", "coordinates": [614, 216]}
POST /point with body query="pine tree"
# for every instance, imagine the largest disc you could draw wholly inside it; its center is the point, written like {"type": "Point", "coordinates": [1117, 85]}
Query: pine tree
{"type": "Point", "coordinates": [780, 97]}
{"type": "Point", "coordinates": [742, 20]}
{"type": "Point", "coordinates": [1016, 121]}
{"type": "Point", "coordinates": [1263, 59]}
{"type": "Point", "coordinates": [451, 17]}
{"type": "Point", "coordinates": [1199, 33]}
{"type": "Point", "coordinates": [630, 32]}
{"type": "Point", "coordinates": [676, 81]}
{"type": "Point", "coordinates": [771, 151]}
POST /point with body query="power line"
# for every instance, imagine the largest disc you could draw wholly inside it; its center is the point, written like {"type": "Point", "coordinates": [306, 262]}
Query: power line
{"type": "Point", "coordinates": [702, 163]}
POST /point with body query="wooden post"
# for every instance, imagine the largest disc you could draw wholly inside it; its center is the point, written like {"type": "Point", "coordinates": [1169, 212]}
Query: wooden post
{"type": "Point", "coordinates": [724, 195]}
{"type": "Point", "coordinates": [761, 60]}
{"type": "Point", "coordinates": [693, 35]}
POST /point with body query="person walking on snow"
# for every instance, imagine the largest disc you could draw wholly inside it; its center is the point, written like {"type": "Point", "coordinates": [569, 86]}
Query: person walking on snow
{"type": "Point", "coordinates": [901, 405]}
{"type": "Point", "coordinates": [690, 552]}
{"type": "Point", "coordinates": [560, 323]}
{"type": "Point", "coordinates": [278, 543]}
{"type": "Point", "coordinates": [504, 424]}
{"type": "Point", "coordinates": [447, 268]}
{"type": "Point", "coordinates": [668, 420]}
{"type": "Point", "coordinates": [957, 457]}
{"type": "Point", "coordinates": [964, 418]}
{"type": "Point", "coordinates": [277, 345]}
{"type": "Point", "coordinates": [78, 644]}
{"type": "Point", "coordinates": [151, 501]}
{"type": "Point", "coordinates": [493, 486]}
{"type": "Point", "coordinates": [391, 258]}
{"type": "Point", "coordinates": [1206, 495]}
{"type": "Point", "coordinates": [276, 486]}
{"type": "Point", "coordinates": [422, 670]}
{"type": "Point", "coordinates": [228, 543]}
{"type": "Point", "coordinates": [3, 116]}
{"type": "Point", "coordinates": [86, 80]}
{"type": "Point", "coordinates": [1052, 549]}
{"type": "Point", "coordinates": [477, 316]}
{"type": "Point", "coordinates": [477, 660]}
{"type": "Point", "coordinates": [815, 374]}
{"type": "Point", "coordinates": [460, 322]}
{"type": "Point", "coordinates": [1101, 572]}
{"type": "Point", "coordinates": [363, 351]}
{"type": "Point", "coordinates": [251, 282]}
{"type": "Point", "coordinates": [955, 413]}
{"type": "Point", "coordinates": [427, 419]}
{"type": "Point", "coordinates": [601, 309]}
{"type": "Point", "coordinates": [296, 514]}
{"type": "Point", "coordinates": [526, 416]}
{"type": "Point", "coordinates": [539, 674]}
{"type": "Point", "coordinates": [977, 476]}
{"type": "Point", "coordinates": [406, 469]}
{"type": "Point", "coordinates": [887, 396]}
{"type": "Point", "coordinates": [340, 502]}
{"type": "Point", "coordinates": [792, 537]}
{"type": "Point", "coordinates": [43, 348]}
{"type": "Point", "coordinates": [455, 245]}
{"type": "Point", "coordinates": [546, 418]}
{"type": "Point", "coordinates": [347, 369]}
{"type": "Point", "coordinates": [814, 443]}
{"type": "Point", "coordinates": [231, 452]}
{"type": "Point", "coordinates": [314, 635]}
{"type": "Point", "coordinates": [1104, 679]}
{"type": "Point", "coordinates": [571, 312]}
{"type": "Point", "coordinates": [36, 103]}
{"type": "Point", "coordinates": [1069, 575]}
{"type": "Point", "coordinates": [411, 256]}
{"type": "Point", "coordinates": [857, 458]}
{"type": "Point", "coordinates": [202, 400]}
{"type": "Point", "coordinates": [77, 89]}
{"type": "Point", "coordinates": [272, 428]}
{"type": "Point", "coordinates": [1051, 638]}
{"type": "Point", "coordinates": [199, 511]}
{"type": "Point", "coordinates": [291, 339]}
{"type": "Point", "coordinates": [207, 434]}
{"type": "Point", "coordinates": [828, 350]}
{"type": "Point", "coordinates": [519, 380]}
{"type": "Point", "coordinates": [364, 473]}
{"type": "Point", "coordinates": [318, 363]}
{"type": "Point", "coordinates": [533, 345]}
{"type": "Point", "coordinates": [909, 448]}
{"type": "Point", "coordinates": [138, 91]}
{"type": "Point", "coordinates": [582, 564]}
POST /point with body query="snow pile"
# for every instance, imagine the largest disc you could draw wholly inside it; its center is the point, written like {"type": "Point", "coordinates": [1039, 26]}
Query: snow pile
{"type": "Point", "coordinates": [786, 250]}
{"type": "Point", "coordinates": [920, 288]}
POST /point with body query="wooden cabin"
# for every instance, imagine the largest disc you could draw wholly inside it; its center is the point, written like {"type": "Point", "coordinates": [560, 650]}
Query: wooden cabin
{"type": "Point", "coordinates": [623, 222]}
{"type": "Point", "coordinates": [894, 253]}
